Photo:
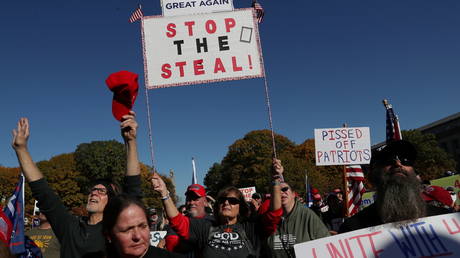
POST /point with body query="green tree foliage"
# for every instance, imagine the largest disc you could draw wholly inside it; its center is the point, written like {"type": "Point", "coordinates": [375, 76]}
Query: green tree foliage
{"type": "Point", "coordinates": [248, 163]}
{"type": "Point", "coordinates": [432, 161]}
{"type": "Point", "coordinates": [325, 178]}
{"type": "Point", "coordinates": [100, 159]}
{"type": "Point", "coordinates": [60, 172]}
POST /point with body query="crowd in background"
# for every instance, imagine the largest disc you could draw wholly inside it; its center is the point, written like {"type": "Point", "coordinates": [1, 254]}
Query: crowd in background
{"type": "Point", "coordinates": [227, 225]}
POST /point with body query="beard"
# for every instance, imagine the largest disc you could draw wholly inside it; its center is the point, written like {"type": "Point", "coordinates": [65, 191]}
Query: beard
{"type": "Point", "coordinates": [398, 197]}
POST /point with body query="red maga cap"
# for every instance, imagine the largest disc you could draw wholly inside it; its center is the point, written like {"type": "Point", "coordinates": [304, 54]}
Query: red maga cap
{"type": "Point", "coordinates": [437, 193]}
{"type": "Point", "coordinates": [197, 189]}
{"type": "Point", "coordinates": [124, 86]}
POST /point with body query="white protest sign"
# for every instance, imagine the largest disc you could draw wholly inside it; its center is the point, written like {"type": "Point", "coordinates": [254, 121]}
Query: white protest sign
{"type": "Point", "coordinates": [183, 50]}
{"type": "Point", "coordinates": [436, 236]}
{"type": "Point", "coordinates": [247, 192]}
{"type": "Point", "coordinates": [184, 7]}
{"type": "Point", "coordinates": [342, 146]}
{"type": "Point", "coordinates": [156, 236]}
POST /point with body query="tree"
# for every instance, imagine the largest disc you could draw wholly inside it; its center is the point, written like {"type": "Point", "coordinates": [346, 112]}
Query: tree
{"type": "Point", "coordinates": [152, 198]}
{"type": "Point", "coordinates": [100, 159]}
{"type": "Point", "coordinates": [432, 161]}
{"type": "Point", "coordinates": [248, 162]}
{"type": "Point", "coordinates": [60, 172]}
{"type": "Point", "coordinates": [8, 181]}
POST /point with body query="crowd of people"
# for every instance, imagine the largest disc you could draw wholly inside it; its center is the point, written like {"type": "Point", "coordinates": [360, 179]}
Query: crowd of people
{"type": "Point", "coordinates": [119, 224]}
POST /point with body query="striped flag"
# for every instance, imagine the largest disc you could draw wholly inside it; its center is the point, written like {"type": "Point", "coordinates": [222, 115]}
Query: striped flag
{"type": "Point", "coordinates": [136, 15]}
{"type": "Point", "coordinates": [259, 11]}
{"type": "Point", "coordinates": [355, 177]}
{"type": "Point", "coordinates": [14, 210]}
{"type": "Point", "coordinates": [393, 129]}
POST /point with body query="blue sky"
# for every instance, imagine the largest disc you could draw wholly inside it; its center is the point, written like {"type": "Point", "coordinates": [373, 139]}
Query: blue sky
{"type": "Point", "coordinates": [327, 63]}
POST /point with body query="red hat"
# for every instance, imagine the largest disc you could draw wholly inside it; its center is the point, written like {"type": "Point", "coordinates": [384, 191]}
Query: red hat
{"type": "Point", "coordinates": [337, 190]}
{"type": "Point", "coordinates": [196, 189]}
{"type": "Point", "coordinates": [317, 197]}
{"type": "Point", "coordinates": [314, 190]}
{"type": "Point", "coordinates": [437, 193]}
{"type": "Point", "coordinates": [124, 86]}
{"type": "Point", "coordinates": [5, 228]}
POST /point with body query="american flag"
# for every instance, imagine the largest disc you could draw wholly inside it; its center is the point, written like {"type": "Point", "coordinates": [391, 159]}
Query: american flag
{"type": "Point", "coordinates": [14, 210]}
{"type": "Point", "coordinates": [136, 15]}
{"type": "Point", "coordinates": [355, 178]}
{"type": "Point", "coordinates": [259, 11]}
{"type": "Point", "coordinates": [393, 129]}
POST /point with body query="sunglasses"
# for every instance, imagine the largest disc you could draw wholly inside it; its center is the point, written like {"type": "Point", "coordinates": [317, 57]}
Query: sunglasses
{"type": "Point", "coordinates": [284, 189]}
{"type": "Point", "coordinates": [391, 158]}
{"type": "Point", "coordinates": [101, 191]}
{"type": "Point", "coordinates": [231, 200]}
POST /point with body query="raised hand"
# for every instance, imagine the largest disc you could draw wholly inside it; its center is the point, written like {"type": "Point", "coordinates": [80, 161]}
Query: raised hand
{"type": "Point", "coordinates": [158, 184]}
{"type": "Point", "coordinates": [277, 167]}
{"type": "Point", "coordinates": [21, 134]}
{"type": "Point", "coordinates": [129, 126]}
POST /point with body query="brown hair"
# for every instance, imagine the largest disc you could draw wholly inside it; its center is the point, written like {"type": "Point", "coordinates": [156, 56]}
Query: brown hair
{"type": "Point", "coordinates": [244, 208]}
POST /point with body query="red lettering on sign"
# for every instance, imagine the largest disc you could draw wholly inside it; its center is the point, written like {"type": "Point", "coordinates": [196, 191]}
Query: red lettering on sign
{"type": "Point", "coordinates": [166, 71]}
{"type": "Point", "coordinates": [181, 68]}
{"type": "Point", "coordinates": [211, 26]}
{"type": "Point", "coordinates": [171, 28]}
{"type": "Point", "coordinates": [190, 24]}
{"type": "Point", "coordinates": [198, 67]}
{"type": "Point", "coordinates": [371, 241]}
{"type": "Point", "coordinates": [219, 66]}
{"type": "Point", "coordinates": [457, 226]}
{"type": "Point", "coordinates": [229, 23]}
{"type": "Point", "coordinates": [236, 68]}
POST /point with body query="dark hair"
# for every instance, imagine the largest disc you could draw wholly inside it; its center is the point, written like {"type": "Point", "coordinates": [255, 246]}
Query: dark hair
{"type": "Point", "coordinates": [112, 188]}
{"type": "Point", "coordinates": [244, 208]}
{"type": "Point", "coordinates": [112, 211]}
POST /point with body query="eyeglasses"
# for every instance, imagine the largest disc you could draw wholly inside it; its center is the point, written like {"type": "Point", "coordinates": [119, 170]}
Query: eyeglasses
{"type": "Point", "coordinates": [99, 190]}
{"type": "Point", "coordinates": [284, 189]}
{"type": "Point", "coordinates": [231, 200]}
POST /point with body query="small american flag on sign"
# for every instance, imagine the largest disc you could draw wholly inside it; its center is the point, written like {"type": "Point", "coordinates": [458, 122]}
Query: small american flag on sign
{"type": "Point", "coordinates": [355, 178]}
{"type": "Point", "coordinates": [393, 129]}
{"type": "Point", "coordinates": [136, 15]}
{"type": "Point", "coordinates": [259, 11]}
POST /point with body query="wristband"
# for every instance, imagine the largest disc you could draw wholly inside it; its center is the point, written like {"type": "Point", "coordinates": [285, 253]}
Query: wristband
{"type": "Point", "coordinates": [166, 197]}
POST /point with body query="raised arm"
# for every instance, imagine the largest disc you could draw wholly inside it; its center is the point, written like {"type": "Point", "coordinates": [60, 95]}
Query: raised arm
{"type": "Point", "coordinates": [129, 134]}
{"type": "Point", "coordinates": [159, 185]}
{"type": "Point", "coordinates": [20, 138]}
{"type": "Point", "coordinates": [277, 177]}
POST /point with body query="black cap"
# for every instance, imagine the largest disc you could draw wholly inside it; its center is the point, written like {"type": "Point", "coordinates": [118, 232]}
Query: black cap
{"type": "Point", "coordinates": [403, 150]}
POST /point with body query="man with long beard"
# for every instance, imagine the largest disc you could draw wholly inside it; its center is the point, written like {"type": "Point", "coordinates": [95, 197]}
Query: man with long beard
{"type": "Point", "coordinates": [398, 189]}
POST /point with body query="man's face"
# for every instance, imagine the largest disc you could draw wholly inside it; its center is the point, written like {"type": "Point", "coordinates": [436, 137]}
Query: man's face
{"type": "Point", "coordinates": [195, 204]}
{"type": "Point", "coordinates": [287, 195]}
{"type": "Point", "coordinates": [97, 199]}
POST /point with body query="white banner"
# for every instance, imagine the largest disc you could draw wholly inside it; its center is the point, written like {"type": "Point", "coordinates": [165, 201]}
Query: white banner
{"type": "Point", "coordinates": [437, 236]}
{"type": "Point", "coordinates": [248, 192]}
{"type": "Point", "coordinates": [184, 7]}
{"type": "Point", "coordinates": [184, 50]}
{"type": "Point", "coordinates": [342, 146]}
{"type": "Point", "coordinates": [156, 236]}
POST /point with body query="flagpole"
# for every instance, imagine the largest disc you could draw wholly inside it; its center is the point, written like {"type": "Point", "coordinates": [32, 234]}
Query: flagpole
{"type": "Point", "coordinates": [345, 187]}
{"type": "Point", "coordinates": [194, 181]}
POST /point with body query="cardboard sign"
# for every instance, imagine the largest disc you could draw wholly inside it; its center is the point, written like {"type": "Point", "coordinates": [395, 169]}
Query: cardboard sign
{"type": "Point", "coordinates": [184, 7]}
{"type": "Point", "coordinates": [156, 236]}
{"type": "Point", "coordinates": [437, 236]}
{"type": "Point", "coordinates": [342, 146]}
{"type": "Point", "coordinates": [184, 50]}
{"type": "Point", "coordinates": [367, 199]}
{"type": "Point", "coordinates": [248, 192]}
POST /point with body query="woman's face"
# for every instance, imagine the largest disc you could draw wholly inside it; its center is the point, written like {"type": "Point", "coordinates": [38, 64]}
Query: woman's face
{"type": "Point", "coordinates": [131, 234]}
{"type": "Point", "coordinates": [229, 206]}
